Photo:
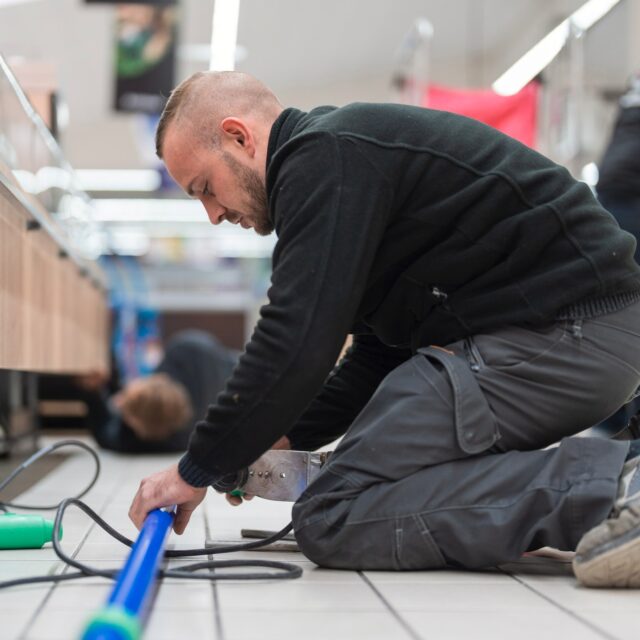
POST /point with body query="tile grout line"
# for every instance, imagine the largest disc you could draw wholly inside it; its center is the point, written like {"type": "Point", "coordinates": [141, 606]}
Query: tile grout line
{"type": "Point", "coordinates": [65, 567]}
{"type": "Point", "coordinates": [405, 625]}
{"type": "Point", "coordinates": [39, 608]}
{"type": "Point", "coordinates": [217, 614]}
{"type": "Point", "coordinates": [564, 609]}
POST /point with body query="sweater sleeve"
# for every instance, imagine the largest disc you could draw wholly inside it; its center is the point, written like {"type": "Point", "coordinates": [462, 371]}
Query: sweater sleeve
{"type": "Point", "coordinates": [347, 389]}
{"type": "Point", "coordinates": [330, 208]}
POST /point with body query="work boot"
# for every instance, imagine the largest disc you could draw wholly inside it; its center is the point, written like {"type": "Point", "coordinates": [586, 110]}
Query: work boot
{"type": "Point", "coordinates": [609, 554]}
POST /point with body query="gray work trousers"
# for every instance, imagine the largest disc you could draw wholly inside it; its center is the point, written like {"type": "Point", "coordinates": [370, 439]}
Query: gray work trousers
{"type": "Point", "coordinates": [446, 465]}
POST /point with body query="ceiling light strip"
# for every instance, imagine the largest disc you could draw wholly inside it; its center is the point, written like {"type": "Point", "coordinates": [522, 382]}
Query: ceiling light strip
{"type": "Point", "coordinates": [541, 54]}
{"type": "Point", "coordinates": [224, 35]}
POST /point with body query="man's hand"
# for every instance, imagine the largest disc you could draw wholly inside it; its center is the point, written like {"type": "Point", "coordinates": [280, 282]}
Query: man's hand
{"type": "Point", "coordinates": [164, 489]}
{"type": "Point", "coordinates": [236, 501]}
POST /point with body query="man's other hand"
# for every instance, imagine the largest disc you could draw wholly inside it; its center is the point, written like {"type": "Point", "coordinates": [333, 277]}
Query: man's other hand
{"type": "Point", "coordinates": [164, 489]}
{"type": "Point", "coordinates": [236, 501]}
{"type": "Point", "coordinates": [282, 443]}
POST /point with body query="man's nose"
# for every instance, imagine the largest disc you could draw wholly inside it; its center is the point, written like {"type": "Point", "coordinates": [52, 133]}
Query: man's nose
{"type": "Point", "coordinates": [215, 213]}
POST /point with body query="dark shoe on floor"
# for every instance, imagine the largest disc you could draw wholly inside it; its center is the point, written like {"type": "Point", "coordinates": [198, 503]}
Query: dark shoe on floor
{"type": "Point", "coordinates": [609, 554]}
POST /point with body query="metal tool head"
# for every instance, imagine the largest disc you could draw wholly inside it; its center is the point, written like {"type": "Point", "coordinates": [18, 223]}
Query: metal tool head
{"type": "Point", "coordinates": [283, 475]}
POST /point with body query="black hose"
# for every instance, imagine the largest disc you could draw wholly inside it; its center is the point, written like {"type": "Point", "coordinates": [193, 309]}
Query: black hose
{"type": "Point", "coordinates": [283, 570]}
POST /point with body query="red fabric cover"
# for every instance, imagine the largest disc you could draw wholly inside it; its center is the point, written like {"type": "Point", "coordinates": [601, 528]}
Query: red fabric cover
{"type": "Point", "coordinates": [514, 115]}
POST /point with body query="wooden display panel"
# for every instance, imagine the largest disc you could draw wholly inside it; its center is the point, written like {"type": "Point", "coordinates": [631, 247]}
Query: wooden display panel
{"type": "Point", "coordinates": [53, 318]}
{"type": "Point", "coordinates": [12, 231]}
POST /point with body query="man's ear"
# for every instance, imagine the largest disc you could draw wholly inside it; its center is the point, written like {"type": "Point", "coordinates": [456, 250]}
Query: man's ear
{"type": "Point", "coordinates": [237, 133]}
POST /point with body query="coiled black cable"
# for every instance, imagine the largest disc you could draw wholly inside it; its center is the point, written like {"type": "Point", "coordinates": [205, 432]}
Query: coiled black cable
{"type": "Point", "coordinates": [45, 451]}
{"type": "Point", "coordinates": [283, 570]}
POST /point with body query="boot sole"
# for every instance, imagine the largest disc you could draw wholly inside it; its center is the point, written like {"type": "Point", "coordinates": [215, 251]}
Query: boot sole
{"type": "Point", "coordinates": [612, 565]}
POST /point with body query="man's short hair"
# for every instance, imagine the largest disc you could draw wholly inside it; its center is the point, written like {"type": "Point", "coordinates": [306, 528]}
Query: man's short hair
{"type": "Point", "coordinates": [171, 109]}
{"type": "Point", "coordinates": [207, 97]}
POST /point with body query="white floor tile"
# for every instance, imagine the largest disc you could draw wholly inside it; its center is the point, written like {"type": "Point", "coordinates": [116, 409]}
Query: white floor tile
{"type": "Point", "coordinates": [21, 599]}
{"type": "Point", "coordinates": [13, 625]}
{"type": "Point", "coordinates": [439, 577]}
{"type": "Point", "coordinates": [292, 595]}
{"type": "Point", "coordinates": [568, 593]}
{"type": "Point", "coordinates": [184, 596]}
{"type": "Point", "coordinates": [68, 595]}
{"type": "Point", "coordinates": [333, 625]}
{"type": "Point", "coordinates": [171, 625]}
{"type": "Point", "coordinates": [10, 569]}
{"type": "Point", "coordinates": [461, 597]}
{"type": "Point", "coordinates": [508, 625]}
{"type": "Point", "coordinates": [61, 624]}
{"type": "Point", "coordinates": [623, 625]}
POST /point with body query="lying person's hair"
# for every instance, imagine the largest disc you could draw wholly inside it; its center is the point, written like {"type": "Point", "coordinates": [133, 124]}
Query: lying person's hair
{"type": "Point", "coordinates": [155, 407]}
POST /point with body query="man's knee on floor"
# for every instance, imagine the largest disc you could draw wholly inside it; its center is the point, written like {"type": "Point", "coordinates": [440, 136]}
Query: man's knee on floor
{"type": "Point", "coordinates": [325, 536]}
{"type": "Point", "coordinates": [315, 538]}
{"type": "Point", "coordinates": [329, 547]}
{"type": "Point", "coordinates": [332, 538]}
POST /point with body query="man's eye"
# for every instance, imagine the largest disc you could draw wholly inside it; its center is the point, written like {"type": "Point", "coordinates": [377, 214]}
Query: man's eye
{"type": "Point", "coordinates": [205, 190]}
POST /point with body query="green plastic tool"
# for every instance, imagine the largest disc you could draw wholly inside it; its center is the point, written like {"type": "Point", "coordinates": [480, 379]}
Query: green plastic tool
{"type": "Point", "coordinates": [22, 531]}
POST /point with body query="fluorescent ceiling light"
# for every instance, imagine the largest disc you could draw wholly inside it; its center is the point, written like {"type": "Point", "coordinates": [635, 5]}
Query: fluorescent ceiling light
{"type": "Point", "coordinates": [224, 240]}
{"type": "Point", "coordinates": [119, 179]}
{"type": "Point", "coordinates": [8, 3]}
{"type": "Point", "coordinates": [132, 242]}
{"type": "Point", "coordinates": [541, 54]}
{"type": "Point", "coordinates": [149, 210]}
{"type": "Point", "coordinates": [44, 179]}
{"type": "Point", "coordinates": [224, 35]}
{"type": "Point", "coordinates": [590, 12]}
{"type": "Point", "coordinates": [88, 179]}
{"type": "Point", "coordinates": [532, 62]}
{"type": "Point", "coordinates": [202, 53]}
{"type": "Point", "coordinates": [129, 219]}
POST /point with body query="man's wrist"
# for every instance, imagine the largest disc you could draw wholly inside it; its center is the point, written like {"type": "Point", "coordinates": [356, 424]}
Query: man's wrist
{"type": "Point", "coordinates": [194, 475]}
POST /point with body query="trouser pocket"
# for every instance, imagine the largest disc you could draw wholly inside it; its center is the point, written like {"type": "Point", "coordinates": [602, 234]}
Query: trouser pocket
{"type": "Point", "coordinates": [475, 425]}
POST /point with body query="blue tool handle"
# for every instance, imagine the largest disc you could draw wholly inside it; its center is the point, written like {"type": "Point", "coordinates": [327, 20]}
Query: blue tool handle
{"type": "Point", "coordinates": [122, 616]}
{"type": "Point", "coordinates": [134, 583]}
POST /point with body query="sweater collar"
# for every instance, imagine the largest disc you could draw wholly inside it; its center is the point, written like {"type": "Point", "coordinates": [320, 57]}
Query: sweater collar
{"type": "Point", "coordinates": [282, 130]}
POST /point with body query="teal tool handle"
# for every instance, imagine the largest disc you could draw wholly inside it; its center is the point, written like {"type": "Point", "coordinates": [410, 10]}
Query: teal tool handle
{"type": "Point", "coordinates": [22, 531]}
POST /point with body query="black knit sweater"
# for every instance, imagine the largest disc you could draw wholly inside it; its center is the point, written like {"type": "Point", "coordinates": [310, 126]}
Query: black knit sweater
{"type": "Point", "coordinates": [408, 227]}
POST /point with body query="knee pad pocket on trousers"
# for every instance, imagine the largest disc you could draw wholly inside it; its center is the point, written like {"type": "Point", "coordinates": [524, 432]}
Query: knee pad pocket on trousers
{"type": "Point", "coordinates": [475, 425]}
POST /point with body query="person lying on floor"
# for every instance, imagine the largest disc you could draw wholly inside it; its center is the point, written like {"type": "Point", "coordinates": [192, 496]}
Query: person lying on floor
{"type": "Point", "coordinates": [155, 414]}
